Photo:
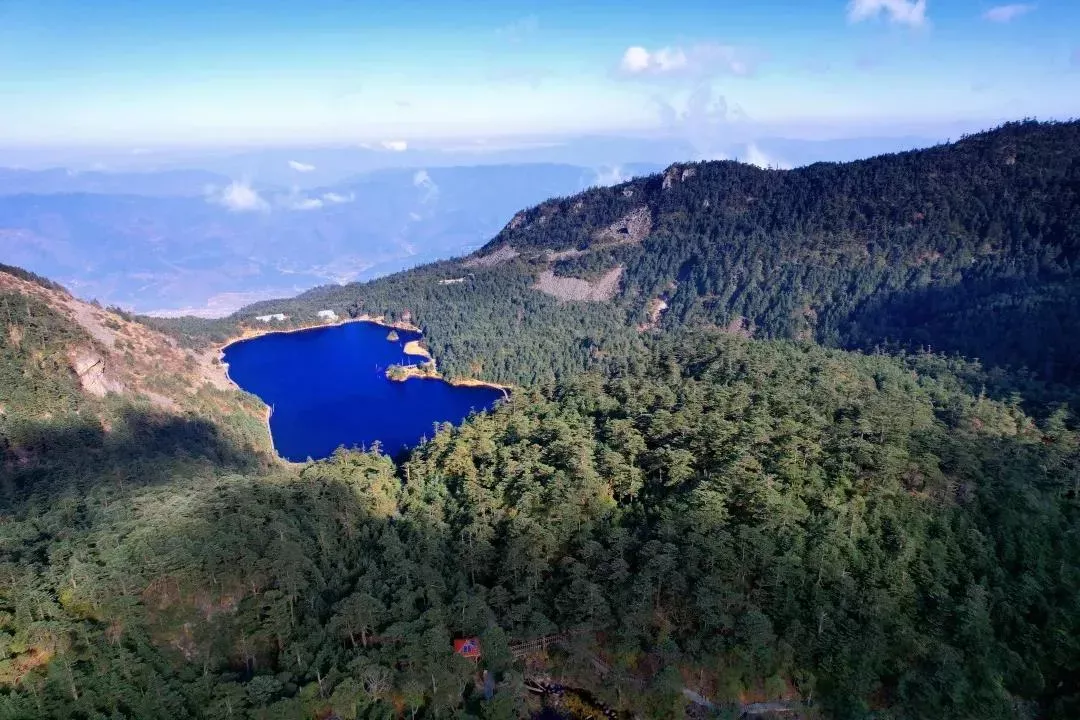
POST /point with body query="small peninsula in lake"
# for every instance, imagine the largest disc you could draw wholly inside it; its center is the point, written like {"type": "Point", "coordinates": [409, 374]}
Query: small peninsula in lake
{"type": "Point", "coordinates": [327, 387]}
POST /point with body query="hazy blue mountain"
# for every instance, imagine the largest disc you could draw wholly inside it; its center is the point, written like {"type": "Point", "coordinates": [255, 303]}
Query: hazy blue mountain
{"type": "Point", "coordinates": [63, 180]}
{"type": "Point", "coordinates": [229, 243]}
{"type": "Point", "coordinates": [317, 166]}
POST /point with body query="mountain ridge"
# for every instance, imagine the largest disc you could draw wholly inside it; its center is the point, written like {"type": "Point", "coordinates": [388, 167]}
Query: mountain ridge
{"type": "Point", "coordinates": [951, 249]}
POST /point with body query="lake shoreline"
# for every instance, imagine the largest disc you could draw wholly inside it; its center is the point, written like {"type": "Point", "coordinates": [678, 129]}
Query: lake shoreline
{"type": "Point", "coordinates": [422, 372]}
{"type": "Point", "coordinates": [250, 333]}
{"type": "Point", "coordinates": [412, 347]}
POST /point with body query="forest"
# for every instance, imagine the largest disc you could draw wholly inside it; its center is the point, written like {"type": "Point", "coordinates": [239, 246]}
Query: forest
{"type": "Point", "coordinates": [879, 524]}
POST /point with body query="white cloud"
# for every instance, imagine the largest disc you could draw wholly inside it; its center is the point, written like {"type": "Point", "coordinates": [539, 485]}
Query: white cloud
{"type": "Point", "coordinates": [608, 176]}
{"type": "Point", "coordinates": [422, 180]}
{"type": "Point", "coordinates": [298, 201]}
{"type": "Point", "coordinates": [900, 12]}
{"type": "Point", "coordinates": [698, 60]}
{"type": "Point", "coordinates": [332, 198]}
{"type": "Point", "coordinates": [395, 145]}
{"type": "Point", "coordinates": [707, 121]}
{"type": "Point", "coordinates": [1008, 13]}
{"type": "Point", "coordinates": [306, 204]}
{"type": "Point", "coordinates": [755, 156]}
{"type": "Point", "coordinates": [301, 167]}
{"type": "Point", "coordinates": [239, 196]}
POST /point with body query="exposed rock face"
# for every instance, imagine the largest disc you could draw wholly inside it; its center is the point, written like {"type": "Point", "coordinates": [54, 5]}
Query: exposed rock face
{"type": "Point", "coordinates": [669, 178]}
{"type": "Point", "coordinates": [556, 255]}
{"type": "Point", "coordinates": [122, 356]}
{"type": "Point", "coordinates": [496, 257]}
{"type": "Point", "coordinates": [576, 289]}
{"type": "Point", "coordinates": [739, 326]}
{"type": "Point", "coordinates": [676, 174]}
{"type": "Point", "coordinates": [631, 228]}
{"type": "Point", "coordinates": [89, 366]}
{"type": "Point", "coordinates": [654, 310]}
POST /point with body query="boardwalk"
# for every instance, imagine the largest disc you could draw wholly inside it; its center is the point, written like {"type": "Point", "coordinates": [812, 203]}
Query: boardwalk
{"type": "Point", "coordinates": [524, 648]}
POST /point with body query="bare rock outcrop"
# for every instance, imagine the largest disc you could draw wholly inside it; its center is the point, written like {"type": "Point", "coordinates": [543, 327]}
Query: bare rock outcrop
{"type": "Point", "coordinates": [654, 311]}
{"type": "Point", "coordinates": [504, 254]}
{"type": "Point", "coordinates": [675, 174]}
{"type": "Point", "coordinates": [633, 227]}
{"type": "Point", "coordinates": [90, 367]}
{"type": "Point", "coordinates": [577, 290]}
{"type": "Point", "coordinates": [122, 356]}
{"type": "Point", "coordinates": [556, 255]}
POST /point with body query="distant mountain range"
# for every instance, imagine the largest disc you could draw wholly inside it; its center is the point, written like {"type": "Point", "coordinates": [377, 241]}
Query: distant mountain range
{"type": "Point", "coordinates": [198, 242]}
{"type": "Point", "coordinates": [310, 167]}
{"type": "Point", "coordinates": [151, 236]}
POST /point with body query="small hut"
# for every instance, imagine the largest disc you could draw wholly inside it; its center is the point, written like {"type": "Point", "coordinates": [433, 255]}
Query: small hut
{"type": "Point", "coordinates": [468, 647]}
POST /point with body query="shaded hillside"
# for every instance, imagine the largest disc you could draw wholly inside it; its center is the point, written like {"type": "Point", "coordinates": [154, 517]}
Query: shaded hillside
{"type": "Point", "coordinates": [72, 369]}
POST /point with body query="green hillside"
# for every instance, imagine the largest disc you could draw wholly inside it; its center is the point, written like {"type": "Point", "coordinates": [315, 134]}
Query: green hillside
{"type": "Point", "coordinates": [697, 501]}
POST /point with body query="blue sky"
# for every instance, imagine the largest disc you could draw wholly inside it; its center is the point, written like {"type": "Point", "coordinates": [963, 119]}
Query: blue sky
{"type": "Point", "coordinates": [145, 72]}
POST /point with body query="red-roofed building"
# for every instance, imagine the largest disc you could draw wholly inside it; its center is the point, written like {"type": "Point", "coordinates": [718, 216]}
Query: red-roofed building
{"type": "Point", "coordinates": [468, 647]}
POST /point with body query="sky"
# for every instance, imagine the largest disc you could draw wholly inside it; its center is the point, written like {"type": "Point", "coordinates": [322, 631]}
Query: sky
{"type": "Point", "coordinates": [140, 73]}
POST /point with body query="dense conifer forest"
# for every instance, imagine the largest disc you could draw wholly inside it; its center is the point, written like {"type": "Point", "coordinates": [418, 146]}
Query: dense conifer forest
{"type": "Point", "coordinates": [838, 474]}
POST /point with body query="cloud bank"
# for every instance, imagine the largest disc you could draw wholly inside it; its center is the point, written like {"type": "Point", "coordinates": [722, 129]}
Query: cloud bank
{"type": "Point", "coordinates": [395, 145]}
{"type": "Point", "coordinates": [706, 121]}
{"type": "Point", "coordinates": [301, 167]}
{"type": "Point", "coordinates": [698, 60]}
{"type": "Point", "coordinates": [608, 176]}
{"type": "Point", "coordinates": [298, 201]}
{"type": "Point", "coordinates": [900, 12]}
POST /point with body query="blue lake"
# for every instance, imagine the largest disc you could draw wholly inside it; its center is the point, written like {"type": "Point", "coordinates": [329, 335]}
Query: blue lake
{"type": "Point", "coordinates": [327, 387]}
